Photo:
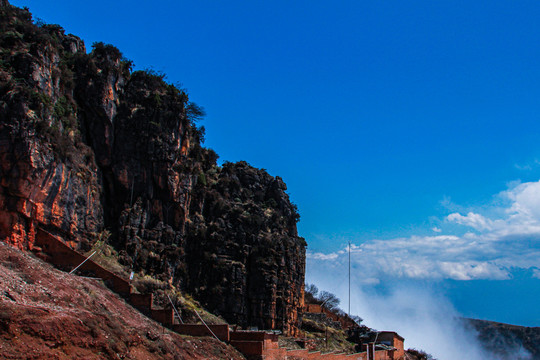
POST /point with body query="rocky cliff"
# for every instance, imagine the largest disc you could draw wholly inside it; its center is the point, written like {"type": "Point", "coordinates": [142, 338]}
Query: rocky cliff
{"type": "Point", "coordinates": [89, 148]}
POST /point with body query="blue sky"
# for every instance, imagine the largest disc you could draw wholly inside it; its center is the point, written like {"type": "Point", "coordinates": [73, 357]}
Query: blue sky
{"type": "Point", "coordinates": [409, 128]}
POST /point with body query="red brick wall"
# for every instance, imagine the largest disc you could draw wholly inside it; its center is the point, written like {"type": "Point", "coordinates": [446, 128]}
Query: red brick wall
{"type": "Point", "coordinates": [304, 355]}
{"type": "Point", "coordinates": [358, 356]}
{"type": "Point", "coordinates": [276, 354]}
{"type": "Point", "coordinates": [382, 355]}
{"type": "Point", "coordinates": [252, 345]}
{"type": "Point", "coordinates": [250, 335]}
{"type": "Point", "coordinates": [141, 301]}
{"type": "Point", "coordinates": [62, 255]}
{"type": "Point", "coordinates": [399, 345]}
{"type": "Point", "coordinates": [164, 316]}
{"type": "Point", "coordinates": [221, 331]}
{"type": "Point", "coordinates": [297, 354]}
{"type": "Point", "coordinates": [270, 344]}
{"type": "Point", "coordinates": [313, 355]}
{"type": "Point", "coordinates": [249, 348]}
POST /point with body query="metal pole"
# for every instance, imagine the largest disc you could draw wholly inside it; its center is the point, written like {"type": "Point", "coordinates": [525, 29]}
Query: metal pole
{"type": "Point", "coordinates": [174, 307]}
{"type": "Point", "coordinates": [206, 325]}
{"type": "Point", "coordinates": [88, 258]}
{"type": "Point", "coordinates": [349, 279]}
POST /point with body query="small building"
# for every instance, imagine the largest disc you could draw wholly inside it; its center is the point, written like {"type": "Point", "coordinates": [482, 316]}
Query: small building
{"type": "Point", "coordinates": [393, 339]}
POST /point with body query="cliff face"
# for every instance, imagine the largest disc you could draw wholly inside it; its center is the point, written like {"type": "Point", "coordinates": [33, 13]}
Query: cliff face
{"type": "Point", "coordinates": [48, 175]}
{"type": "Point", "coordinates": [245, 228]}
{"type": "Point", "coordinates": [88, 147]}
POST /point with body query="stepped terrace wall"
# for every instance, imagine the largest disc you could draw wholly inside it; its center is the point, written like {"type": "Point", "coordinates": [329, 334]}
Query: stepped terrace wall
{"type": "Point", "coordinates": [62, 255]}
{"type": "Point", "coordinates": [221, 331]}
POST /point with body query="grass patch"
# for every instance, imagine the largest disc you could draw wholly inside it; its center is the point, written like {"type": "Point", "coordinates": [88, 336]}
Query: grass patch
{"type": "Point", "coordinates": [107, 256]}
{"type": "Point", "coordinates": [326, 338]}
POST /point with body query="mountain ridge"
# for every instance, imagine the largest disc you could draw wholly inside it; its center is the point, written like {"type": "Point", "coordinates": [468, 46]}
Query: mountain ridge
{"type": "Point", "coordinates": [506, 340]}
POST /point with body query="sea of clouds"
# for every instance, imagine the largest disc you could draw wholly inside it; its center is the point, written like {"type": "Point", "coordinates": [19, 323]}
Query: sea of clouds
{"type": "Point", "coordinates": [487, 242]}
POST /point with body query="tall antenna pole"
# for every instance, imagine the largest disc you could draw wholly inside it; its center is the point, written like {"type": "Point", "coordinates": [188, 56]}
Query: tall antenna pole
{"type": "Point", "coordinates": [349, 279]}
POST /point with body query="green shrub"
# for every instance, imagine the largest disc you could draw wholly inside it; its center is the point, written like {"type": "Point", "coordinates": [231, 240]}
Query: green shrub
{"type": "Point", "coordinates": [202, 179]}
{"type": "Point", "coordinates": [147, 284]}
{"type": "Point", "coordinates": [101, 50]}
{"type": "Point", "coordinates": [61, 108]}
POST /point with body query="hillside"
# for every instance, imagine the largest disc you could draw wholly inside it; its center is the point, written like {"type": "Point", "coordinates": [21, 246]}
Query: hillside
{"type": "Point", "coordinates": [508, 341]}
{"type": "Point", "coordinates": [46, 314]}
{"type": "Point", "coordinates": [93, 152]}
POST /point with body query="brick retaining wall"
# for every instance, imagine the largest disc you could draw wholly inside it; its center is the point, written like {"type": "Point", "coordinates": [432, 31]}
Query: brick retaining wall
{"type": "Point", "coordinates": [142, 302]}
{"type": "Point", "coordinates": [221, 331]}
{"type": "Point", "coordinates": [62, 255]}
{"type": "Point", "coordinates": [164, 316]}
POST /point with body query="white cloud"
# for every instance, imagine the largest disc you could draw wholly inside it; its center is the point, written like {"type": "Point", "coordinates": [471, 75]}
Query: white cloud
{"type": "Point", "coordinates": [476, 221]}
{"type": "Point", "coordinates": [436, 229]}
{"type": "Point", "coordinates": [523, 167]}
{"type": "Point", "coordinates": [428, 257]}
{"type": "Point", "coordinates": [525, 202]}
{"type": "Point", "coordinates": [536, 273]}
{"type": "Point", "coordinates": [473, 270]}
{"type": "Point", "coordinates": [321, 256]}
{"type": "Point", "coordinates": [528, 166]}
{"type": "Point", "coordinates": [503, 237]}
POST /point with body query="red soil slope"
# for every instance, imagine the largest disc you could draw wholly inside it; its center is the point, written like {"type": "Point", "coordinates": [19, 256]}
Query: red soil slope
{"type": "Point", "coordinates": [49, 314]}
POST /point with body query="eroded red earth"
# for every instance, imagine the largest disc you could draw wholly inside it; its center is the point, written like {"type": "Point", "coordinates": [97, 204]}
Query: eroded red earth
{"type": "Point", "coordinates": [48, 314]}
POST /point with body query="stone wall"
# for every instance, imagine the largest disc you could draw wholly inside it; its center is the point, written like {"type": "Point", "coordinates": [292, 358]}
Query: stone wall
{"type": "Point", "coordinates": [221, 331]}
